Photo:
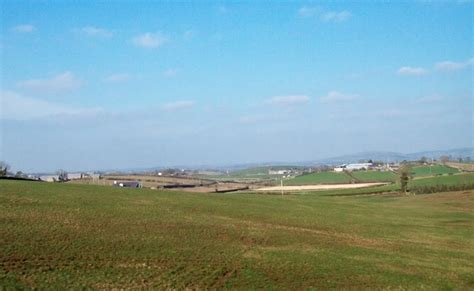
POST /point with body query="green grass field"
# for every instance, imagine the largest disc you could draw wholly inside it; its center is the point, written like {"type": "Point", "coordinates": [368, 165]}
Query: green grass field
{"type": "Point", "coordinates": [58, 236]}
{"type": "Point", "coordinates": [464, 178]}
{"type": "Point", "coordinates": [420, 171]}
{"type": "Point", "coordinates": [374, 176]}
{"type": "Point", "coordinates": [251, 174]}
{"type": "Point", "coordinates": [320, 178]}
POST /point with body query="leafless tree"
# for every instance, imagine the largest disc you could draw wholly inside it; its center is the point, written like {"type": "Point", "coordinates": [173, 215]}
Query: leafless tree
{"type": "Point", "coordinates": [4, 167]}
{"type": "Point", "coordinates": [62, 175]}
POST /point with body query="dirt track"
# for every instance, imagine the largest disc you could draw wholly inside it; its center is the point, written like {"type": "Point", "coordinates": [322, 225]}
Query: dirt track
{"type": "Point", "coordinates": [320, 187]}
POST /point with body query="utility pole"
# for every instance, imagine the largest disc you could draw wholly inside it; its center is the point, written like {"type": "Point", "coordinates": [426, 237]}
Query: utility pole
{"type": "Point", "coordinates": [281, 186]}
{"type": "Point", "coordinates": [431, 164]}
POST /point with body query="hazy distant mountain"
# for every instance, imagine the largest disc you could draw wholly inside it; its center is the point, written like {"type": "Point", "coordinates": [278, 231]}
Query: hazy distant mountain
{"type": "Point", "coordinates": [363, 156]}
{"type": "Point", "coordinates": [396, 157]}
{"type": "Point", "coordinates": [352, 158]}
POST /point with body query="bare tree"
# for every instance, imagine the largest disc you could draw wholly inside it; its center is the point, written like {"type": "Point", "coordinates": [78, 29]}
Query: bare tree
{"type": "Point", "coordinates": [444, 159]}
{"type": "Point", "coordinates": [62, 175]}
{"type": "Point", "coordinates": [4, 167]}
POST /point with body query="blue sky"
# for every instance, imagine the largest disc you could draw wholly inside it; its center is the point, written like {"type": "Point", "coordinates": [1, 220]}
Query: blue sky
{"type": "Point", "coordinates": [120, 84]}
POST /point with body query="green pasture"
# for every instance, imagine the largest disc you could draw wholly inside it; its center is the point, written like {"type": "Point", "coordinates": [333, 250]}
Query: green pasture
{"type": "Point", "coordinates": [464, 178]}
{"type": "Point", "coordinates": [374, 176]}
{"type": "Point", "coordinates": [449, 180]}
{"type": "Point", "coordinates": [420, 171]}
{"type": "Point", "coordinates": [320, 178]}
{"type": "Point", "coordinates": [66, 236]}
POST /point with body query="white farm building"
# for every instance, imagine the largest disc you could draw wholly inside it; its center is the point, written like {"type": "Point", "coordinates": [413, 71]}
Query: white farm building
{"type": "Point", "coordinates": [352, 167]}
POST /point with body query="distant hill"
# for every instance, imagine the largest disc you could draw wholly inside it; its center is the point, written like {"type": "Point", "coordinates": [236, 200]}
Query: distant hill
{"type": "Point", "coordinates": [363, 156]}
{"type": "Point", "coordinates": [352, 158]}
{"type": "Point", "coordinates": [397, 157]}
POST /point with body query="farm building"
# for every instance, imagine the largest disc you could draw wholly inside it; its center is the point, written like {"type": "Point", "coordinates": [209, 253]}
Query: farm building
{"type": "Point", "coordinates": [278, 172]}
{"type": "Point", "coordinates": [92, 175]}
{"type": "Point", "coordinates": [49, 178]}
{"type": "Point", "coordinates": [127, 184]}
{"type": "Point", "coordinates": [352, 167]}
{"type": "Point", "coordinates": [359, 166]}
{"type": "Point", "coordinates": [75, 176]}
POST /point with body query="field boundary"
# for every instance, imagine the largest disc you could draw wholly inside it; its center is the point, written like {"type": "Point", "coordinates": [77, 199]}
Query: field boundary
{"type": "Point", "coordinates": [321, 187]}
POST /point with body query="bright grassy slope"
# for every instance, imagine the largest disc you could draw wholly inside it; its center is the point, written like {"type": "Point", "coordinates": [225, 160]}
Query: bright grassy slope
{"type": "Point", "coordinates": [70, 236]}
{"type": "Point", "coordinates": [464, 178]}
{"type": "Point", "coordinates": [320, 178]}
{"type": "Point", "coordinates": [374, 176]}
{"type": "Point", "coordinates": [256, 173]}
{"type": "Point", "coordinates": [432, 170]}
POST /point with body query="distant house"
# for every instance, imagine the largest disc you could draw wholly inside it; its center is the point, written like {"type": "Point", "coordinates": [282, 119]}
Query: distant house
{"type": "Point", "coordinates": [359, 166]}
{"type": "Point", "coordinates": [75, 176]}
{"type": "Point", "coordinates": [92, 176]}
{"type": "Point", "coordinates": [49, 178]}
{"type": "Point", "coordinates": [353, 167]}
{"type": "Point", "coordinates": [127, 184]}
{"type": "Point", "coordinates": [278, 172]}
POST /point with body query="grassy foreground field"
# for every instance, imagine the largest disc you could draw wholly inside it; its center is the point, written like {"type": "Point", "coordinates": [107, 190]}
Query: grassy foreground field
{"type": "Point", "coordinates": [73, 236]}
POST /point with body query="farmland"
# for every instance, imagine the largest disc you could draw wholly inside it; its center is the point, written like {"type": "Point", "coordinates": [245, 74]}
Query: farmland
{"type": "Point", "coordinates": [320, 178]}
{"type": "Point", "coordinates": [461, 166]}
{"type": "Point", "coordinates": [374, 176]}
{"type": "Point", "coordinates": [85, 236]}
{"type": "Point", "coordinates": [448, 180]}
{"type": "Point", "coordinates": [421, 171]}
{"type": "Point", "coordinates": [464, 178]}
{"type": "Point", "coordinates": [320, 187]}
{"type": "Point", "coordinates": [253, 174]}
{"type": "Point", "coordinates": [153, 182]}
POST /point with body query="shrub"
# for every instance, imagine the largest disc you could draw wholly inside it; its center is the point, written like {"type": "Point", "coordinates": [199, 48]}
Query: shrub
{"type": "Point", "coordinates": [441, 188]}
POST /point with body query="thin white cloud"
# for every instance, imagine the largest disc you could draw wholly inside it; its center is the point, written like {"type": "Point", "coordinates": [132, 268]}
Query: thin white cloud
{"type": "Point", "coordinates": [178, 105]}
{"type": "Point", "coordinates": [170, 73]}
{"type": "Point", "coordinates": [150, 40]}
{"type": "Point", "coordinates": [336, 96]}
{"type": "Point", "coordinates": [287, 100]}
{"type": "Point", "coordinates": [429, 99]}
{"type": "Point", "coordinates": [412, 71]}
{"type": "Point", "coordinates": [450, 66]}
{"type": "Point", "coordinates": [324, 15]}
{"type": "Point", "coordinates": [18, 107]}
{"type": "Point", "coordinates": [117, 78]}
{"type": "Point", "coordinates": [66, 81]}
{"type": "Point", "coordinates": [94, 31]}
{"type": "Point", "coordinates": [336, 16]}
{"type": "Point", "coordinates": [444, 66]}
{"type": "Point", "coordinates": [308, 11]}
{"type": "Point", "coordinates": [24, 28]}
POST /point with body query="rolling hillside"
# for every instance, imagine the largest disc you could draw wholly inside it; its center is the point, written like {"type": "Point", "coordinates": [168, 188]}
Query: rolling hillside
{"type": "Point", "coordinates": [66, 236]}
